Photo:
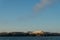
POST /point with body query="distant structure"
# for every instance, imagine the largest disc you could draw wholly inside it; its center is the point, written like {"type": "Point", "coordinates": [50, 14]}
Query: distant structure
{"type": "Point", "coordinates": [38, 32]}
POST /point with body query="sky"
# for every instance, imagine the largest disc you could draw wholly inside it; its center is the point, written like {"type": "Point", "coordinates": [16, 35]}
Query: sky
{"type": "Point", "coordinates": [29, 15]}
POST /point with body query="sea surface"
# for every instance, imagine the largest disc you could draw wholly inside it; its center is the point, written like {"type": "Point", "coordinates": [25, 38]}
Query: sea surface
{"type": "Point", "coordinates": [30, 38]}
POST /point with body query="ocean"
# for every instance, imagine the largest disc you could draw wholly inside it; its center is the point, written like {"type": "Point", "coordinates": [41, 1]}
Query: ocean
{"type": "Point", "coordinates": [30, 38]}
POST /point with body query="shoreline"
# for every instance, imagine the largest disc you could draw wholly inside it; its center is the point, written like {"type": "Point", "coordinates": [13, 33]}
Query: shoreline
{"type": "Point", "coordinates": [29, 34]}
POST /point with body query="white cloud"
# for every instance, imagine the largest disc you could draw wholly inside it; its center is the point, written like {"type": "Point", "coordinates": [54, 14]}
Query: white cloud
{"type": "Point", "coordinates": [42, 4]}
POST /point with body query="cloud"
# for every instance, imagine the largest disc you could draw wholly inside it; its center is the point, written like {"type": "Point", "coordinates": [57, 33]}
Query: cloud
{"type": "Point", "coordinates": [42, 4]}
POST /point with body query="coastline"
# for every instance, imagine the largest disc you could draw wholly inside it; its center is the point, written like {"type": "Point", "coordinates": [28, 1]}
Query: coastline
{"type": "Point", "coordinates": [23, 34]}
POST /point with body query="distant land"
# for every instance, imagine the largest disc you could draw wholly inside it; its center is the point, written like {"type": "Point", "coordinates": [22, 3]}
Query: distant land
{"type": "Point", "coordinates": [29, 33]}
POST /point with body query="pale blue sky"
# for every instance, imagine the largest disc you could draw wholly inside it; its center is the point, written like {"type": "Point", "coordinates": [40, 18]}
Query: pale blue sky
{"type": "Point", "coordinates": [18, 15]}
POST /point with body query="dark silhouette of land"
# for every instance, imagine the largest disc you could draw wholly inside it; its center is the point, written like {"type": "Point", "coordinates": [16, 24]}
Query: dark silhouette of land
{"type": "Point", "coordinates": [5, 34]}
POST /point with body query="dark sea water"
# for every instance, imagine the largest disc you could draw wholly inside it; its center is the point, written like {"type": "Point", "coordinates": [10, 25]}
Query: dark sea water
{"type": "Point", "coordinates": [29, 38]}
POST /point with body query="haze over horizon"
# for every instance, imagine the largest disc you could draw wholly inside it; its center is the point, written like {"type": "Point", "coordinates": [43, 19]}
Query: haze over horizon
{"type": "Point", "coordinates": [29, 15]}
